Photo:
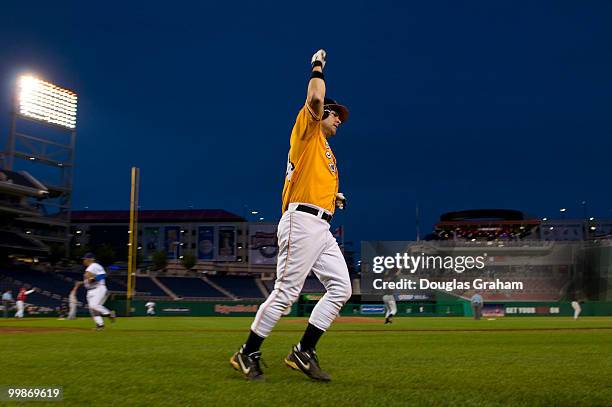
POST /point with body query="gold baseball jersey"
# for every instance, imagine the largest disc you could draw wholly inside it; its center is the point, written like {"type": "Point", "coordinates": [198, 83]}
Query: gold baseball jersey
{"type": "Point", "coordinates": [312, 175]}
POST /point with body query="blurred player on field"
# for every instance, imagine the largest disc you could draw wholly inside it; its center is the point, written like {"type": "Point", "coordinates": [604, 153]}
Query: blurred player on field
{"type": "Point", "coordinates": [388, 297]}
{"type": "Point", "coordinates": [577, 309]}
{"type": "Point", "coordinates": [390, 308]}
{"type": "Point", "coordinates": [476, 302]}
{"type": "Point", "coordinates": [94, 281]}
{"type": "Point", "coordinates": [7, 298]}
{"type": "Point", "coordinates": [150, 308]}
{"type": "Point", "coordinates": [72, 300]}
{"type": "Point", "coordinates": [21, 297]}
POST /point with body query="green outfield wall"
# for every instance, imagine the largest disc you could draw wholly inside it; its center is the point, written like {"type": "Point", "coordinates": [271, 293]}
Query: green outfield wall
{"type": "Point", "coordinates": [459, 308]}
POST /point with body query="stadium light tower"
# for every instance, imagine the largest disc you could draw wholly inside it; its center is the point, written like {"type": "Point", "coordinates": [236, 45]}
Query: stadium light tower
{"type": "Point", "coordinates": [43, 135]}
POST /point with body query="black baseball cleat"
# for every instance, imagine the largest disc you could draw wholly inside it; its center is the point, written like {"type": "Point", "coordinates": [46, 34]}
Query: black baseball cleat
{"type": "Point", "coordinates": [112, 315]}
{"type": "Point", "coordinates": [248, 365]}
{"type": "Point", "coordinates": [99, 327]}
{"type": "Point", "coordinates": [308, 363]}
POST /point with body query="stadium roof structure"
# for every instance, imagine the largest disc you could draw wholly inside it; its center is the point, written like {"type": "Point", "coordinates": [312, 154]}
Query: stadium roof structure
{"type": "Point", "coordinates": [157, 216]}
{"type": "Point", "coordinates": [21, 183]}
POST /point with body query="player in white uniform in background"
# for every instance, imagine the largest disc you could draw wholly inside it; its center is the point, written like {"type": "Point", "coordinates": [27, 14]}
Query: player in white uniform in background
{"type": "Point", "coordinates": [94, 282]}
{"type": "Point", "coordinates": [390, 307]}
{"type": "Point", "coordinates": [150, 308]}
{"type": "Point", "coordinates": [388, 297]}
{"type": "Point", "coordinates": [72, 300]}
{"type": "Point", "coordinates": [577, 309]}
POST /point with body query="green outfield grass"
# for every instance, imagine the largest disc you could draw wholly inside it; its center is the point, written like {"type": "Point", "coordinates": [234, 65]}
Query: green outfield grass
{"type": "Point", "coordinates": [416, 361]}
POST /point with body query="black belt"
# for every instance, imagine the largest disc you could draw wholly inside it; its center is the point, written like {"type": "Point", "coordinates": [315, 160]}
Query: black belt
{"type": "Point", "coordinates": [325, 216]}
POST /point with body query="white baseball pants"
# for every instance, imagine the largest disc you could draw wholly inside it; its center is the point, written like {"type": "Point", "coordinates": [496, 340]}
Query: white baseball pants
{"type": "Point", "coordinates": [73, 310]}
{"type": "Point", "coordinates": [20, 308]}
{"type": "Point", "coordinates": [305, 244]}
{"type": "Point", "coordinates": [95, 299]}
{"type": "Point", "coordinates": [577, 309]}
{"type": "Point", "coordinates": [390, 305]}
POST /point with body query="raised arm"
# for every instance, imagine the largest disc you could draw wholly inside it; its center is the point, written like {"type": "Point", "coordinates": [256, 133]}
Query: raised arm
{"type": "Point", "coordinates": [316, 86]}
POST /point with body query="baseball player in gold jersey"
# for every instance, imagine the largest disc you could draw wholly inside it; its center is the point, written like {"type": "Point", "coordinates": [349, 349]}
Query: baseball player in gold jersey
{"type": "Point", "coordinates": [310, 196]}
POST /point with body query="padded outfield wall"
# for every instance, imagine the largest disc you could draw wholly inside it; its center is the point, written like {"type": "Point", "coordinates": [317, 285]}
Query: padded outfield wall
{"type": "Point", "coordinates": [459, 308]}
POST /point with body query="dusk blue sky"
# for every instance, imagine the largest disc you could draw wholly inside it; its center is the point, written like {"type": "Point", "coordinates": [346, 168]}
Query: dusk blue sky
{"type": "Point", "coordinates": [456, 105]}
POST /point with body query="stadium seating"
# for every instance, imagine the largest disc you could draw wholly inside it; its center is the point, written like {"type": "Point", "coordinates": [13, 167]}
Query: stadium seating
{"type": "Point", "coordinates": [47, 281]}
{"type": "Point", "coordinates": [146, 286]}
{"type": "Point", "coordinates": [243, 287]}
{"type": "Point", "coordinates": [190, 287]}
{"type": "Point", "coordinates": [43, 300]}
{"type": "Point", "coordinates": [113, 282]}
{"type": "Point", "coordinates": [39, 299]}
{"type": "Point", "coordinates": [116, 283]}
{"type": "Point", "coordinates": [73, 275]}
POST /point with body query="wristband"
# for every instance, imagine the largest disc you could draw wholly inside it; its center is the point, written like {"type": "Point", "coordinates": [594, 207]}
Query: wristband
{"type": "Point", "coordinates": [317, 63]}
{"type": "Point", "coordinates": [317, 74]}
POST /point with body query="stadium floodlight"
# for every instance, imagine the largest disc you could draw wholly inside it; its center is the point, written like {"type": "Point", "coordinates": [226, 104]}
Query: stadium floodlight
{"type": "Point", "coordinates": [44, 101]}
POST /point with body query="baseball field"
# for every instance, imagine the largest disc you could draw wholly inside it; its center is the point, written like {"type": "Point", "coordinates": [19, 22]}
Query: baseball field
{"type": "Point", "coordinates": [178, 361]}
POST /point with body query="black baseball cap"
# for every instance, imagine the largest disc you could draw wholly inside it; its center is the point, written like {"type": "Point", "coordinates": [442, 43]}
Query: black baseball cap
{"type": "Point", "coordinates": [342, 110]}
{"type": "Point", "coordinates": [88, 255]}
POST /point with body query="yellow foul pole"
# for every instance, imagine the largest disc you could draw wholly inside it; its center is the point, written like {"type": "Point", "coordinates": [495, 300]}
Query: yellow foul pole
{"type": "Point", "coordinates": [133, 239]}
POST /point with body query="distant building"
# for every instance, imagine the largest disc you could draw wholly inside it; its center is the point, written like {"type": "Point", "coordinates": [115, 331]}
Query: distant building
{"type": "Point", "coordinates": [214, 236]}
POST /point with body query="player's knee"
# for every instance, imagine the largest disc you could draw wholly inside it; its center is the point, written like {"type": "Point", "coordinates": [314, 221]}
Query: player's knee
{"type": "Point", "coordinates": [342, 291]}
{"type": "Point", "coordinates": [347, 291]}
{"type": "Point", "coordinates": [287, 296]}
